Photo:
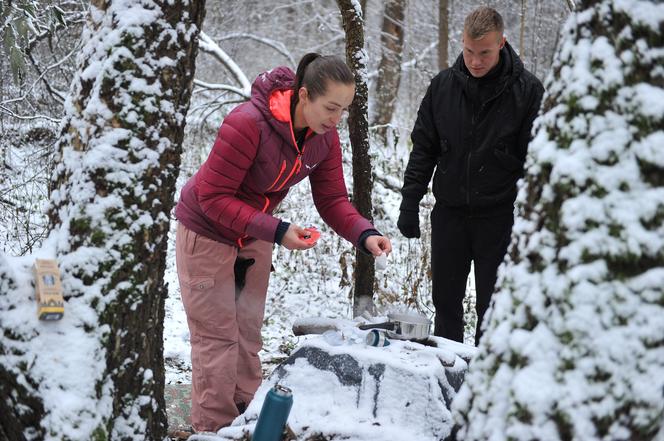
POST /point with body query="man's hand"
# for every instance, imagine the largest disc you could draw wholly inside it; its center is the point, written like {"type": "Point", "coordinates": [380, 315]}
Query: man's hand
{"type": "Point", "coordinates": [294, 238]}
{"type": "Point", "coordinates": [378, 245]}
{"type": "Point", "coordinates": [409, 223]}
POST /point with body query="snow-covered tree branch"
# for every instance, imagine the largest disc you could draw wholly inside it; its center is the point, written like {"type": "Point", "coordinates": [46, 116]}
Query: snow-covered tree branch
{"type": "Point", "coordinates": [211, 47]}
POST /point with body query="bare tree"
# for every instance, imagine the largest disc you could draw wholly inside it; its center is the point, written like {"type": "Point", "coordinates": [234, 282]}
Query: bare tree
{"type": "Point", "coordinates": [119, 153]}
{"type": "Point", "coordinates": [389, 68]}
{"type": "Point", "coordinates": [358, 126]}
{"type": "Point", "coordinates": [443, 33]}
{"type": "Point", "coordinates": [522, 29]}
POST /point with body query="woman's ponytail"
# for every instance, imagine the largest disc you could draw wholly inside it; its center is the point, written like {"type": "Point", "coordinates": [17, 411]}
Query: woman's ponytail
{"type": "Point", "coordinates": [301, 69]}
{"type": "Point", "coordinates": [315, 70]}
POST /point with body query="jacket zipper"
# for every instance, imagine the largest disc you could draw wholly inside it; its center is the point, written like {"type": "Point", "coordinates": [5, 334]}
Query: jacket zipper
{"type": "Point", "coordinates": [470, 154]}
{"type": "Point", "coordinates": [468, 174]}
{"type": "Point", "coordinates": [297, 166]}
{"type": "Point", "coordinates": [281, 172]}
{"type": "Point", "coordinates": [298, 160]}
{"type": "Point", "coordinates": [240, 242]}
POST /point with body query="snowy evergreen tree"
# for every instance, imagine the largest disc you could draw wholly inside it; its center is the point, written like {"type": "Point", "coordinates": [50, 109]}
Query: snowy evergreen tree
{"type": "Point", "coordinates": [574, 347]}
{"type": "Point", "coordinates": [119, 155]}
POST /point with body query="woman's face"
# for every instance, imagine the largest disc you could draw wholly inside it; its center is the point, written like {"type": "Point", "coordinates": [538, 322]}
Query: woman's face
{"type": "Point", "coordinates": [324, 112]}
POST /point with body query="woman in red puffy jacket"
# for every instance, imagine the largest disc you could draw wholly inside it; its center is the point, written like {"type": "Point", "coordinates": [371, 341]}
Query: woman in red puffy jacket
{"type": "Point", "coordinates": [226, 230]}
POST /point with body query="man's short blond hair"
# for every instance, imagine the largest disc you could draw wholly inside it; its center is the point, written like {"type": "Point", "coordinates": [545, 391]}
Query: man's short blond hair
{"type": "Point", "coordinates": [482, 21]}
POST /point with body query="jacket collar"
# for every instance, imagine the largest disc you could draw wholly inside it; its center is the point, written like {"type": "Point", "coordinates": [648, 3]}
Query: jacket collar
{"type": "Point", "coordinates": [280, 104]}
{"type": "Point", "coordinates": [512, 67]}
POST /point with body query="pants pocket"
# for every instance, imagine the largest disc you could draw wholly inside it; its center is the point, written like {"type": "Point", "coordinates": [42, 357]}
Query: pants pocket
{"type": "Point", "coordinates": [198, 297]}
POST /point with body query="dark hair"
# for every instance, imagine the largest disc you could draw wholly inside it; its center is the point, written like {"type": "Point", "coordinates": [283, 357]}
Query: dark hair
{"type": "Point", "coordinates": [315, 70]}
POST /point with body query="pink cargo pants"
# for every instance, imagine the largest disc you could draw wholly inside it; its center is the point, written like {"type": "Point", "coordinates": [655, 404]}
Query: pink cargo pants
{"type": "Point", "coordinates": [225, 329]}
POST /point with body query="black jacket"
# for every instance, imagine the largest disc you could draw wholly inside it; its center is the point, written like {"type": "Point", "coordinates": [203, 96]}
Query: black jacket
{"type": "Point", "coordinates": [475, 133]}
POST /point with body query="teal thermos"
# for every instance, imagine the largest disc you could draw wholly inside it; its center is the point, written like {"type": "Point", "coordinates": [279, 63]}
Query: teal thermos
{"type": "Point", "coordinates": [274, 414]}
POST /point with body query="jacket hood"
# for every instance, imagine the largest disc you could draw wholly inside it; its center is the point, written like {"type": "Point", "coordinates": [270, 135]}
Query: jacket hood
{"type": "Point", "coordinates": [271, 94]}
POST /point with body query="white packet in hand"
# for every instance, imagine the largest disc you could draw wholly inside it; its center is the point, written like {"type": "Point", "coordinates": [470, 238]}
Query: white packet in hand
{"type": "Point", "coordinates": [381, 262]}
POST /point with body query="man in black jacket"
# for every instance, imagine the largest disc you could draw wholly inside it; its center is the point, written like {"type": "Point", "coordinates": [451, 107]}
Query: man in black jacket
{"type": "Point", "coordinates": [473, 128]}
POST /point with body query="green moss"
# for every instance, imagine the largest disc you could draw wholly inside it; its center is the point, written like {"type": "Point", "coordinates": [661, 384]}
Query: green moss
{"type": "Point", "coordinates": [597, 191]}
{"type": "Point", "coordinates": [600, 375]}
{"type": "Point", "coordinates": [522, 413]}
{"type": "Point", "coordinates": [536, 262]}
{"type": "Point", "coordinates": [80, 226]}
{"type": "Point", "coordinates": [99, 434]}
{"type": "Point", "coordinates": [651, 173]}
{"type": "Point", "coordinates": [531, 320]}
{"type": "Point", "coordinates": [518, 360]}
{"type": "Point", "coordinates": [644, 124]}
{"type": "Point", "coordinates": [596, 64]}
{"type": "Point", "coordinates": [564, 425]}
{"type": "Point", "coordinates": [656, 221]}
{"type": "Point", "coordinates": [573, 108]}
{"type": "Point", "coordinates": [567, 364]}
{"type": "Point", "coordinates": [615, 230]}
{"type": "Point", "coordinates": [587, 256]}
{"type": "Point", "coordinates": [566, 337]}
{"type": "Point", "coordinates": [97, 238]}
{"type": "Point", "coordinates": [563, 140]}
{"type": "Point", "coordinates": [629, 265]}
{"type": "Point", "coordinates": [603, 425]}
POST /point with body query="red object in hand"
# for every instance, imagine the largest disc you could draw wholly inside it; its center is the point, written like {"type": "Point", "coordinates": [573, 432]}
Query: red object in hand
{"type": "Point", "coordinates": [312, 236]}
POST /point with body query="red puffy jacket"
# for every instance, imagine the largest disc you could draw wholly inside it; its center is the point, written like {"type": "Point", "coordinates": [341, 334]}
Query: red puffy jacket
{"type": "Point", "coordinates": [254, 162]}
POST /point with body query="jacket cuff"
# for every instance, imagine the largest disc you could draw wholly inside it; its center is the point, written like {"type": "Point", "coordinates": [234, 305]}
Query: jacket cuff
{"type": "Point", "coordinates": [281, 231]}
{"type": "Point", "coordinates": [409, 205]}
{"type": "Point", "coordinates": [365, 234]}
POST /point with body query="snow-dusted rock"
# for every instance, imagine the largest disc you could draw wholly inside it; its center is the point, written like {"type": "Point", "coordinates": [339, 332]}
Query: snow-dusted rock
{"type": "Point", "coordinates": [360, 392]}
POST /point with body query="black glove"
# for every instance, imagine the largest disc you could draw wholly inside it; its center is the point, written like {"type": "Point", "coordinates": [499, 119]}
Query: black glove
{"type": "Point", "coordinates": [409, 223]}
{"type": "Point", "coordinates": [240, 268]}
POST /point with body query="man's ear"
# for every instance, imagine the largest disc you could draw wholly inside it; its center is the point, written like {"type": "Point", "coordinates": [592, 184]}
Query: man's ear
{"type": "Point", "coordinates": [303, 93]}
{"type": "Point", "coordinates": [502, 41]}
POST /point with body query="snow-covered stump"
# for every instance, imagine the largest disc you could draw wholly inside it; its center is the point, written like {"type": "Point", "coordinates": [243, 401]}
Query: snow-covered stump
{"type": "Point", "coordinates": [574, 343]}
{"type": "Point", "coordinates": [360, 392]}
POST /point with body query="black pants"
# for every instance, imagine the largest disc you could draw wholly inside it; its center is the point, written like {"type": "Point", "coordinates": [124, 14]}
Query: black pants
{"type": "Point", "coordinates": [456, 240]}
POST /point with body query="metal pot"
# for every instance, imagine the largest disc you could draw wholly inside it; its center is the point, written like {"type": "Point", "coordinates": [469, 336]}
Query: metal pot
{"type": "Point", "coordinates": [404, 326]}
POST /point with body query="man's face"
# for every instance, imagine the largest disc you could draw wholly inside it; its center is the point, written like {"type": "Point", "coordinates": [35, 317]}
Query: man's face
{"type": "Point", "coordinates": [481, 55]}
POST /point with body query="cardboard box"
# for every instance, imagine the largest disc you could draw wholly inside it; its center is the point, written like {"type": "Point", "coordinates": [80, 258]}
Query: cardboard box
{"type": "Point", "coordinates": [48, 290]}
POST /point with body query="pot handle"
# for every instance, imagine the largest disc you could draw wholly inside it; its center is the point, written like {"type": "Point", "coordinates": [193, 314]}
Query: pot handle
{"type": "Point", "coordinates": [386, 325]}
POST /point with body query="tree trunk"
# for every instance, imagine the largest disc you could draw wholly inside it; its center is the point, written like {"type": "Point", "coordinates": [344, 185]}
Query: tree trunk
{"type": "Point", "coordinates": [522, 30]}
{"type": "Point", "coordinates": [20, 407]}
{"type": "Point", "coordinates": [358, 126]}
{"type": "Point", "coordinates": [389, 68]}
{"type": "Point", "coordinates": [574, 342]}
{"type": "Point", "coordinates": [119, 155]}
{"type": "Point", "coordinates": [443, 33]}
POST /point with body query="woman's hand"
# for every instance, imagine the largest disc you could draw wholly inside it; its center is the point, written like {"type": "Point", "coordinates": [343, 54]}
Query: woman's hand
{"type": "Point", "coordinates": [294, 238]}
{"type": "Point", "coordinates": [378, 245]}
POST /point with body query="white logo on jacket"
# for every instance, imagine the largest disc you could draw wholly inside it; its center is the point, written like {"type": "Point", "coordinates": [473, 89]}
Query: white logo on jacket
{"type": "Point", "coordinates": [312, 166]}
